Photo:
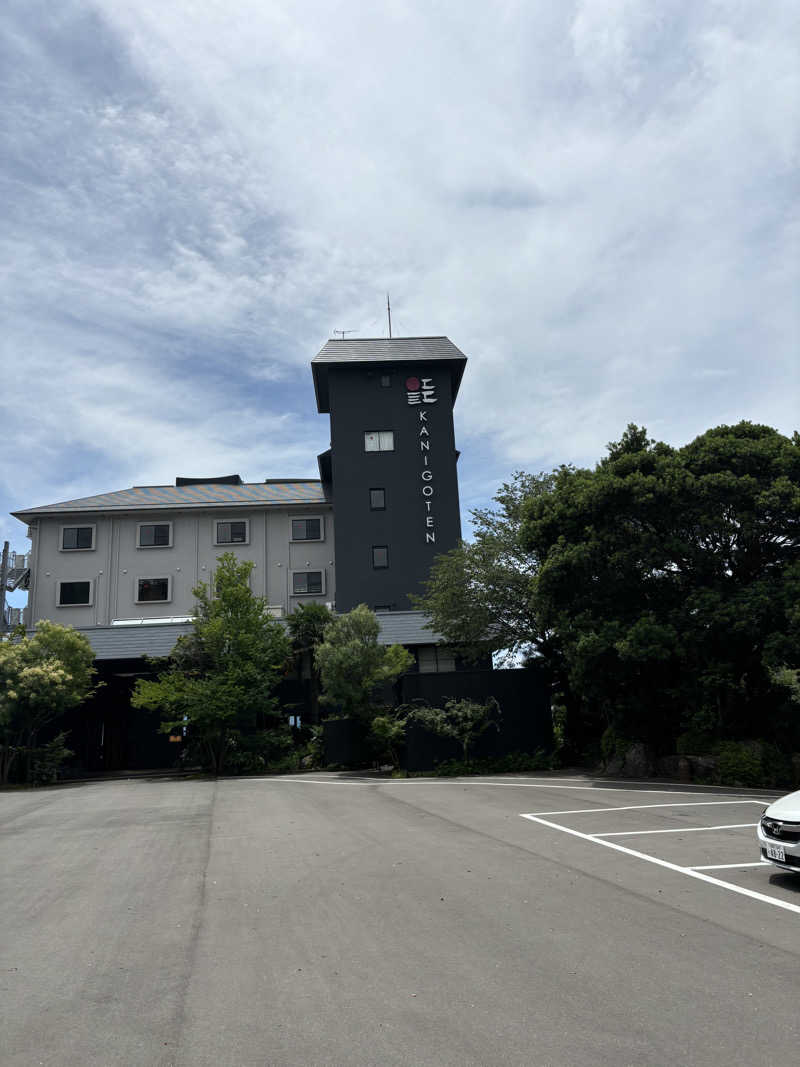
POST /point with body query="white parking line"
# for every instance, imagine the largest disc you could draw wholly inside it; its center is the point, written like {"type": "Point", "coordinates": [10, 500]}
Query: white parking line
{"type": "Point", "coordinates": [639, 807]}
{"type": "Point", "coordinates": [295, 780]}
{"type": "Point", "coordinates": [688, 871]}
{"type": "Point", "coordinates": [679, 830]}
{"type": "Point", "coordinates": [576, 788]}
{"type": "Point", "coordinates": [729, 866]}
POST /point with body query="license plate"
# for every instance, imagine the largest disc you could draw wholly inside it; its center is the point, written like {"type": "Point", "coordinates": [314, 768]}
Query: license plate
{"type": "Point", "coordinates": [776, 852]}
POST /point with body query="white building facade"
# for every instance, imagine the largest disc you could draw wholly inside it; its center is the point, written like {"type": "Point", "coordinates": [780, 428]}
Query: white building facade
{"type": "Point", "coordinates": [134, 556]}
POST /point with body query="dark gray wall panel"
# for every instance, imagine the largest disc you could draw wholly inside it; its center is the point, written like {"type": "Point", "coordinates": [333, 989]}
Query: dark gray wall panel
{"type": "Point", "coordinates": [359, 403]}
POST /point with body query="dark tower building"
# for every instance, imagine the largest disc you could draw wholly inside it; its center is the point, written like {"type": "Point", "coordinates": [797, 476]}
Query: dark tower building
{"type": "Point", "coordinates": [391, 468]}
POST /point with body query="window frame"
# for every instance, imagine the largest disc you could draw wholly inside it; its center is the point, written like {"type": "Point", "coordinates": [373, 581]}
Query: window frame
{"type": "Point", "coordinates": [228, 544]}
{"type": "Point", "coordinates": [152, 578]}
{"type": "Point", "coordinates": [380, 566]}
{"type": "Point", "coordinates": [377, 489]}
{"type": "Point", "coordinates": [139, 526]}
{"type": "Point", "coordinates": [378, 434]}
{"type": "Point", "coordinates": [306, 518]}
{"type": "Point", "coordinates": [308, 570]}
{"type": "Point", "coordinates": [74, 581]}
{"type": "Point", "coordinates": [77, 526]}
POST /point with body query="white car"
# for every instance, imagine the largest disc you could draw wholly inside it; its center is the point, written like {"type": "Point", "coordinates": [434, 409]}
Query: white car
{"type": "Point", "coordinates": [779, 833]}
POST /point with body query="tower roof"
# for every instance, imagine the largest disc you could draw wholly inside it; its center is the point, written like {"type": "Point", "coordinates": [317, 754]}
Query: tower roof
{"type": "Point", "coordinates": [384, 350]}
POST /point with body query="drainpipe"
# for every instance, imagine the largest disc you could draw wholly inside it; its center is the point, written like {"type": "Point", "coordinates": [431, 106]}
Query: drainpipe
{"type": "Point", "coordinates": [3, 584]}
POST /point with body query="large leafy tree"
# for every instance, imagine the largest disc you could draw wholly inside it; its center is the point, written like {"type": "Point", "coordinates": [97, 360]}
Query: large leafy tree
{"type": "Point", "coordinates": [671, 579]}
{"type": "Point", "coordinates": [479, 596]}
{"type": "Point", "coordinates": [41, 677]}
{"type": "Point", "coordinates": [220, 679]}
{"type": "Point", "coordinates": [353, 666]}
{"type": "Point", "coordinates": [307, 625]}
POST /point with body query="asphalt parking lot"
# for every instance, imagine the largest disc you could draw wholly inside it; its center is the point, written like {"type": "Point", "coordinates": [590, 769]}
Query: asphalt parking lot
{"type": "Point", "coordinates": [328, 919]}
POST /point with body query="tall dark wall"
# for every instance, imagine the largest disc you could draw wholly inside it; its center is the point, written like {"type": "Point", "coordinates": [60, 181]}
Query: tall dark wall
{"type": "Point", "coordinates": [107, 734]}
{"type": "Point", "coordinates": [359, 403]}
{"type": "Point", "coordinates": [523, 696]}
{"type": "Point", "coordinates": [526, 724]}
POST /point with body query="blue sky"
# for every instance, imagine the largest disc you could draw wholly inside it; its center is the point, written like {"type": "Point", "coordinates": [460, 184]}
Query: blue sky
{"type": "Point", "coordinates": [596, 200]}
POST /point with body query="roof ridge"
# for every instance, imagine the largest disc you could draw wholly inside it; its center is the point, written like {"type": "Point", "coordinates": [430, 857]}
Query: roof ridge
{"type": "Point", "coordinates": [415, 337]}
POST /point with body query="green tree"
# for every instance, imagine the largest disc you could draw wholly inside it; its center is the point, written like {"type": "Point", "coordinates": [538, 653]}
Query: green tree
{"type": "Point", "coordinates": [671, 578]}
{"type": "Point", "coordinates": [41, 677]}
{"type": "Point", "coordinates": [788, 679]}
{"type": "Point", "coordinates": [353, 665]}
{"type": "Point", "coordinates": [220, 679]}
{"type": "Point", "coordinates": [479, 596]}
{"type": "Point", "coordinates": [463, 720]}
{"type": "Point", "coordinates": [307, 625]}
{"type": "Point", "coordinates": [387, 734]}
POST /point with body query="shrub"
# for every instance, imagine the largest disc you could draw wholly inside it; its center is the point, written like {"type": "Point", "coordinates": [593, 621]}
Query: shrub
{"type": "Point", "coordinates": [315, 746]}
{"type": "Point", "coordinates": [738, 764]}
{"type": "Point", "coordinates": [46, 761]}
{"type": "Point", "coordinates": [462, 720]}
{"type": "Point", "coordinates": [387, 735]}
{"type": "Point", "coordinates": [613, 745]}
{"type": "Point", "coordinates": [261, 751]}
{"type": "Point", "coordinates": [776, 766]}
{"type": "Point", "coordinates": [514, 762]}
{"type": "Point", "coordinates": [694, 743]}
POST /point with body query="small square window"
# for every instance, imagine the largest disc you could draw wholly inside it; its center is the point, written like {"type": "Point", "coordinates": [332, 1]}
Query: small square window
{"type": "Point", "coordinates": [377, 499]}
{"type": "Point", "coordinates": [74, 594]}
{"type": "Point", "coordinates": [306, 529]}
{"type": "Point", "coordinates": [74, 538]}
{"type": "Point", "coordinates": [380, 557]}
{"type": "Point", "coordinates": [307, 582]}
{"type": "Point", "coordinates": [386, 381]}
{"type": "Point", "coordinates": [152, 590]}
{"type": "Point", "coordinates": [379, 441]}
{"type": "Point", "coordinates": [231, 533]}
{"type": "Point", "coordinates": [155, 535]}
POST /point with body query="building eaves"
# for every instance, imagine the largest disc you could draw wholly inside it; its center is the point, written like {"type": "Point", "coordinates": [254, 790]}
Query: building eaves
{"type": "Point", "coordinates": [384, 350]}
{"type": "Point", "coordinates": [151, 637]}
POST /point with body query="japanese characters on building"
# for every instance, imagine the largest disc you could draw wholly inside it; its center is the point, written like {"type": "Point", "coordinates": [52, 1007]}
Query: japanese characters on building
{"type": "Point", "coordinates": [422, 391]}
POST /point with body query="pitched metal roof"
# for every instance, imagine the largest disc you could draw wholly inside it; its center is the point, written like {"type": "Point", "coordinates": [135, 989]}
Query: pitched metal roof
{"type": "Point", "coordinates": [133, 642]}
{"type": "Point", "coordinates": [384, 350]}
{"type": "Point", "coordinates": [161, 497]}
{"type": "Point", "coordinates": [153, 638]}
{"type": "Point", "coordinates": [405, 628]}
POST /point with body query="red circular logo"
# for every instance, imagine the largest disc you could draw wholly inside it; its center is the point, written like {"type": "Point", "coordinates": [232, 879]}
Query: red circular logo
{"type": "Point", "coordinates": [412, 384]}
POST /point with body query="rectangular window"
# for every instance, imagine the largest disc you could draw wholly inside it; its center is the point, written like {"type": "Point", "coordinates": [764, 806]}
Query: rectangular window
{"type": "Point", "coordinates": [307, 582]}
{"type": "Point", "coordinates": [379, 441]}
{"type": "Point", "coordinates": [74, 594]}
{"type": "Point", "coordinates": [75, 538]}
{"type": "Point", "coordinates": [152, 590]}
{"type": "Point", "coordinates": [232, 533]}
{"type": "Point", "coordinates": [154, 535]}
{"type": "Point", "coordinates": [307, 529]}
{"type": "Point", "coordinates": [377, 499]}
{"type": "Point", "coordinates": [380, 556]}
{"type": "Point", "coordinates": [386, 381]}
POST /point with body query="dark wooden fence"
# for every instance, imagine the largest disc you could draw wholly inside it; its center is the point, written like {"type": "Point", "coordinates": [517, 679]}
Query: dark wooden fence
{"type": "Point", "coordinates": [525, 723]}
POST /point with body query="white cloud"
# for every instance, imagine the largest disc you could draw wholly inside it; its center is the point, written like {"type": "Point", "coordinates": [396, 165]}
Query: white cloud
{"type": "Point", "coordinates": [596, 201]}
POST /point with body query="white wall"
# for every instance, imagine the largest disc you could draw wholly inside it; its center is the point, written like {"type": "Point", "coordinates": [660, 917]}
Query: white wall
{"type": "Point", "coordinates": [115, 563]}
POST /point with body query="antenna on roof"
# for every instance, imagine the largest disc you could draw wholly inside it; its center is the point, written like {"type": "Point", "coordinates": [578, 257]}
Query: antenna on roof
{"type": "Point", "coordinates": [343, 332]}
{"type": "Point", "coordinates": [389, 313]}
